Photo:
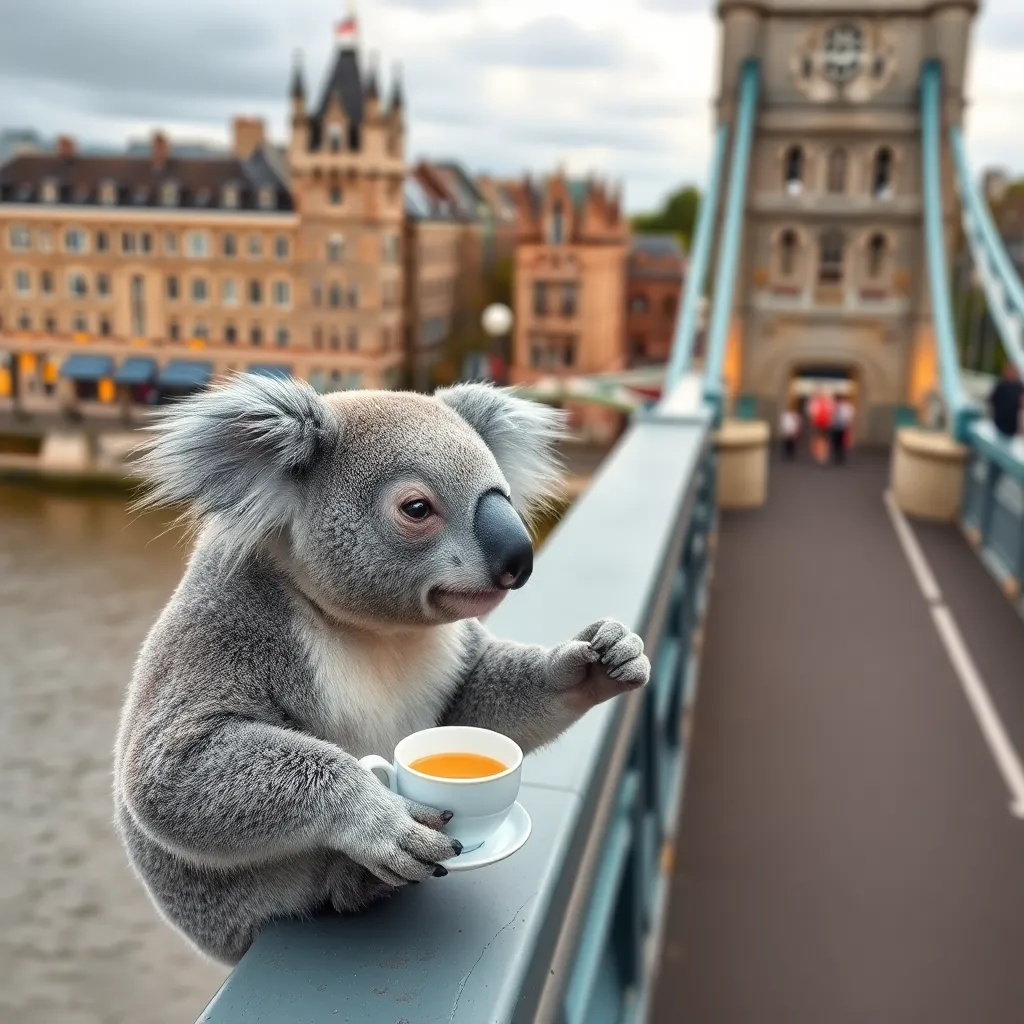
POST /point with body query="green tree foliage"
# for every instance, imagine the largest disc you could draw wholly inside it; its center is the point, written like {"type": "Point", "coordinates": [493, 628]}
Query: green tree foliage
{"type": "Point", "coordinates": [677, 215]}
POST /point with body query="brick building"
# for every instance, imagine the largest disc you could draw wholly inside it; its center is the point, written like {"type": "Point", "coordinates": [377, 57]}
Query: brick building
{"type": "Point", "coordinates": [654, 283]}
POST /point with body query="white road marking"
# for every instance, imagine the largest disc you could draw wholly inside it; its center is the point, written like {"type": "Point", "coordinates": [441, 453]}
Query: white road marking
{"type": "Point", "coordinates": [971, 682]}
{"type": "Point", "coordinates": [915, 556]}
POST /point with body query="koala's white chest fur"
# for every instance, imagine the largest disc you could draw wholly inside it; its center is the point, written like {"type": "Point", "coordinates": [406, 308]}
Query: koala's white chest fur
{"type": "Point", "coordinates": [375, 690]}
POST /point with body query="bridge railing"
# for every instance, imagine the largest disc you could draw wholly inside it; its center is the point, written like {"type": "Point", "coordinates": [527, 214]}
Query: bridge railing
{"type": "Point", "coordinates": [993, 508]}
{"type": "Point", "coordinates": [567, 929]}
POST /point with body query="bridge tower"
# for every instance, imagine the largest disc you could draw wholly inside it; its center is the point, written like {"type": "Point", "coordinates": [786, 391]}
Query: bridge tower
{"type": "Point", "coordinates": [832, 276]}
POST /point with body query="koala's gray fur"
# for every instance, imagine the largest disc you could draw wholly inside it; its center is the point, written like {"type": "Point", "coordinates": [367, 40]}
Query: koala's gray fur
{"type": "Point", "coordinates": [308, 632]}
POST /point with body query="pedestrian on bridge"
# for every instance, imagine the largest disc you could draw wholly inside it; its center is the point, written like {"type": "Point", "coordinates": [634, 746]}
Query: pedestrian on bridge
{"type": "Point", "coordinates": [1005, 401]}
{"type": "Point", "coordinates": [842, 428]}
{"type": "Point", "coordinates": [789, 427]}
{"type": "Point", "coordinates": [821, 410]}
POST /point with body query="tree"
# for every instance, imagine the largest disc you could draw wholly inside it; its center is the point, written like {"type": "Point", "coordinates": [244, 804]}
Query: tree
{"type": "Point", "coordinates": [678, 215]}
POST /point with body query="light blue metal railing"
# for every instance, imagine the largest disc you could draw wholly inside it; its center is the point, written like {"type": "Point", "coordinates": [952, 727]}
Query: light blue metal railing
{"type": "Point", "coordinates": [961, 410]}
{"type": "Point", "coordinates": [697, 268]}
{"type": "Point", "coordinates": [1004, 292]}
{"type": "Point", "coordinates": [566, 929]}
{"type": "Point", "coordinates": [732, 232]}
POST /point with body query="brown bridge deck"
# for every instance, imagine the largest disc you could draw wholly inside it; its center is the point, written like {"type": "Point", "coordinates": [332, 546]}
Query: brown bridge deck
{"type": "Point", "coordinates": [847, 853]}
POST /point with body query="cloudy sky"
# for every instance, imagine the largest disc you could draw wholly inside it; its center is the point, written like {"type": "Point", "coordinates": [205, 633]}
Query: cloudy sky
{"type": "Point", "coordinates": [619, 86]}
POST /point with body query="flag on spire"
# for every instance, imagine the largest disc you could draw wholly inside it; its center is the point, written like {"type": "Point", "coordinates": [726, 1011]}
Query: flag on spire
{"type": "Point", "coordinates": [347, 30]}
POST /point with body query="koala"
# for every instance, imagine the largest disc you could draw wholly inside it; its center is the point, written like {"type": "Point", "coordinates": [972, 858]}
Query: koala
{"type": "Point", "coordinates": [346, 546]}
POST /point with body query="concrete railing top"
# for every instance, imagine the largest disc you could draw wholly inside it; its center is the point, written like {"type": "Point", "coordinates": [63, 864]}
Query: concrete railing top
{"type": "Point", "coordinates": [483, 946]}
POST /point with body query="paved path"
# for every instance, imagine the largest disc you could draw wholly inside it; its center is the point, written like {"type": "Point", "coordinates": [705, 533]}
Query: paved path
{"type": "Point", "coordinates": [847, 855]}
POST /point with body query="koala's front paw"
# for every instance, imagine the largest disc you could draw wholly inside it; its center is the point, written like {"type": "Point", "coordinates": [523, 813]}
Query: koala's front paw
{"type": "Point", "coordinates": [399, 841]}
{"type": "Point", "coordinates": [603, 660]}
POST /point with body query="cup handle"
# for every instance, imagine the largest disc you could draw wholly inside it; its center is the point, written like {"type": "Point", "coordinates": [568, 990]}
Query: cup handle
{"type": "Point", "coordinates": [373, 763]}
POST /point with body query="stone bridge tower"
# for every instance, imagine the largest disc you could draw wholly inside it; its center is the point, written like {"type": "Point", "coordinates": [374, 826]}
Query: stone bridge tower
{"type": "Point", "coordinates": [833, 277]}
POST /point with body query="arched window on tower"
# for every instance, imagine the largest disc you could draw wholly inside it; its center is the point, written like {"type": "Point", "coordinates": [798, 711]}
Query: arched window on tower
{"type": "Point", "coordinates": [876, 255]}
{"type": "Point", "coordinates": [788, 243]}
{"type": "Point", "coordinates": [836, 183]}
{"type": "Point", "coordinates": [830, 269]}
{"type": "Point", "coordinates": [881, 175]}
{"type": "Point", "coordinates": [334, 138]}
{"type": "Point", "coordinates": [557, 224]}
{"type": "Point", "coordinates": [793, 170]}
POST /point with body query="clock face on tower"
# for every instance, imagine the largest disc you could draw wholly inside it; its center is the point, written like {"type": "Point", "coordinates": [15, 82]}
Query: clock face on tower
{"type": "Point", "coordinates": [842, 52]}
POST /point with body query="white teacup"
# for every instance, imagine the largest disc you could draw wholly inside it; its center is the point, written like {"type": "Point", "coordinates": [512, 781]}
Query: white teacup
{"type": "Point", "coordinates": [480, 805]}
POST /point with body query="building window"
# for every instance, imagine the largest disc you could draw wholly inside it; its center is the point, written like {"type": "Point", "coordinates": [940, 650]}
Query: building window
{"type": "Point", "coordinates": [836, 183]}
{"type": "Point", "coordinates": [335, 341]}
{"type": "Point", "coordinates": [173, 330]}
{"type": "Point", "coordinates": [355, 379]}
{"type": "Point", "coordinates": [197, 245]}
{"type": "Point", "coordinates": [267, 198]}
{"type": "Point", "coordinates": [568, 354]}
{"type": "Point", "coordinates": [200, 331]}
{"type": "Point", "coordinates": [335, 195]}
{"type": "Point", "coordinates": [22, 283]}
{"type": "Point", "coordinates": [103, 285]}
{"type": "Point", "coordinates": [172, 289]}
{"type": "Point", "coordinates": [353, 339]}
{"type": "Point", "coordinates": [830, 270]}
{"type": "Point", "coordinates": [793, 170]}
{"type": "Point", "coordinates": [229, 197]}
{"type": "Point", "coordinates": [19, 239]}
{"type": "Point", "coordinates": [335, 249]}
{"type": "Point", "coordinates": [170, 243]}
{"type": "Point", "coordinates": [50, 324]}
{"type": "Point", "coordinates": [282, 293]}
{"type": "Point", "coordinates": [536, 354]}
{"type": "Point", "coordinates": [668, 306]}
{"type": "Point", "coordinates": [78, 287]}
{"type": "Point", "coordinates": [79, 323]}
{"type": "Point", "coordinates": [108, 193]}
{"type": "Point", "coordinates": [391, 249]}
{"type": "Point", "coordinates": [199, 292]}
{"type": "Point", "coordinates": [638, 346]}
{"type": "Point", "coordinates": [102, 241]}
{"type": "Point", "coordinates": [229, 292]}
{"type": "Point", "coordinates": [638, 303]}
{"type": "Point", "coordinates": [255, 246]}
{"type": "Point", "coordinates": [557, 224]}
{"type": "Point", "coordinates": [787, 253]}
{"type": "Point", "coordinates": [24, 321]}
{"type": "Point", "coordinates": [255, 293]}
{"type": "Point", "coordinates": [256, 334]}
{"type": "Point", "coordinates": [127, 242]}
{"type": "Point", "coordinates": [353, 296]}
{"type": "Point", "coordinates": [540, 299]}
{"type": "Point", "coordinates": [51, 191]}
{"type": "Point", "coordinates": [316, 295]}
{"type": "Point", "coordinates": [229, 245]}
{"type": "Point", "coordinates": [334, 138]}
{"type": "Point", "coordinates": [105, 326]}
{"type": "Point", "coordinates": [876, 255]}
{"type": "Point", "coordinates": [230, 333]}
{"type": "Point", "coordinates": [138, 306]}
{"type": "Point", "coordinates": [334, 296]}
{"type": "Point", "coordinates": [46, 282]}
{"type": "Point", "coordinates": [318, 337]}
{"type": "Point", "coordinates": [281, 336]}
{"type": "Point", "coordinates": [281, 247]}
{"type": "Point", "coordinates": [74, 240]}
{"type": "Point", "coordinates": [881, 176]}
{"type": "Point", "coordinates": [169, 194]}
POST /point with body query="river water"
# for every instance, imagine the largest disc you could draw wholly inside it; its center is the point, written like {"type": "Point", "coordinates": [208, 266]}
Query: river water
{"type": "Point", "coordinates": [81, 581]}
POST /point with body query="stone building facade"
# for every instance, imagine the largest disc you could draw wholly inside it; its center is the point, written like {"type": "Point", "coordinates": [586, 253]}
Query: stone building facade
{"type": "Point", "coordinates": [128, 279]}
{"type": "Point", "coordinates": [832, 275]}
{"type": "Point", "coordinates": [569, 282]}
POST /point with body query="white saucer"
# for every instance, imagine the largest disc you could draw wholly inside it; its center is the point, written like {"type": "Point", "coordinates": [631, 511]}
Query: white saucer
{"type": "Point", "coordinates": [511, 835]}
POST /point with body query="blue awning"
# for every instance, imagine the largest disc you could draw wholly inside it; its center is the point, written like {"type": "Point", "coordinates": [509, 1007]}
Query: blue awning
{"type": "Point", "coordinates": [137, 370]}
{"type": "Point", "coordinates": [270, 370]}
{"type": "Point", "coordinates": [186, 373]}
{"type": "Point", "coordinates": [86, 367]}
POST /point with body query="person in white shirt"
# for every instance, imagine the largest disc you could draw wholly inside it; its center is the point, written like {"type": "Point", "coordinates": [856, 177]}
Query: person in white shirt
{"type": "Point", "coordinates": [843, 427]}
{"type": "Point", "coordinates": [789, 428]}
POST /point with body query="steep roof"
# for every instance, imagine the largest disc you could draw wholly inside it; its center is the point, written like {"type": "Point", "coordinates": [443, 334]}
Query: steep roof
{"type": "Point", "coordinates": [346, 83]}
{"type": "Point", "coordinates": [656, 245]}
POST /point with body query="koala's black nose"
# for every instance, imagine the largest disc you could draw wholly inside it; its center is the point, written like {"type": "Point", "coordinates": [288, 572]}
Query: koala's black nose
{"type": "Point", "coordinates": [505, 542]}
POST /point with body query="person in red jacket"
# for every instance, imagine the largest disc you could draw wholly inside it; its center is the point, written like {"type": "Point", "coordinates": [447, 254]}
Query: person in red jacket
{"type": "Point", "coordinates": [820, 411]}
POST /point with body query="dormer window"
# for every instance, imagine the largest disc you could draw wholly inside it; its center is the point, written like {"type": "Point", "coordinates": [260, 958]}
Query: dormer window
{"type": "Point", "coordinates": [140, 197]}
{"type": "Point", "coordinates": [169, 193]}
{"type": "Point", "coordinates": [81, 194]}
{"type": "Point", "coordinates": [50, 191]}
{"type": "Point", "coordinates": [203, 197]}
{"type": "Point", "coordinates": [334, 138]}
{"type": "Point", "coordinates": [268, 198]}
{"type": "Point", "coordinates": [229, 198]}
{"type": "Point", "coordinates": [108, 193]}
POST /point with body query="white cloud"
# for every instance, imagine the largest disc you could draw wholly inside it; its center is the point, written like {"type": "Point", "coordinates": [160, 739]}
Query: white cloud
{"type": "Point", "coordinates": [621, 87]}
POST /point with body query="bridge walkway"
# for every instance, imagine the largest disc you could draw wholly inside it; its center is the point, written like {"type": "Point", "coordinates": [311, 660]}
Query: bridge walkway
{"type": "Point", "coordinates": [847, 852]}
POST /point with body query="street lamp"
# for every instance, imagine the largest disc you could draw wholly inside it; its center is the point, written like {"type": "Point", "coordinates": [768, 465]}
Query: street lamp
{"type": "Point", "coordinates": [496, 321]}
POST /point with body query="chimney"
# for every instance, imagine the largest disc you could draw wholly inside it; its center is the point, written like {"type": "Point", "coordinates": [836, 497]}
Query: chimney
{"type": "Point", "coordinates": [65, 146]}
{"type": "Point", "coordinates": [249, 135]}
{"type": "Point", "coordinates": [161, 149]}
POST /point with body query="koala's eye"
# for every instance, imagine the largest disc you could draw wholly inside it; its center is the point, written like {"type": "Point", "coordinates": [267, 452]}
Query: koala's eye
{"type": "Point", "coordinates": [417, 509]}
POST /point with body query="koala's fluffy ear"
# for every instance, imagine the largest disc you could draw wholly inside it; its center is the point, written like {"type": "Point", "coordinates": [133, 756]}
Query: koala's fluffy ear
{"type": "Point", "coordinates": [521, 435]}
{"type": "Point", "coordinates": [236, 452]}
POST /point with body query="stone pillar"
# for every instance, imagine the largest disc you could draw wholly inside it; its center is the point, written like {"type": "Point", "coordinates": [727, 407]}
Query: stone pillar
{"type": "Point", "coordinates": [927, 474]}
{"type": "Point", "coordinates": [742, 452]}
